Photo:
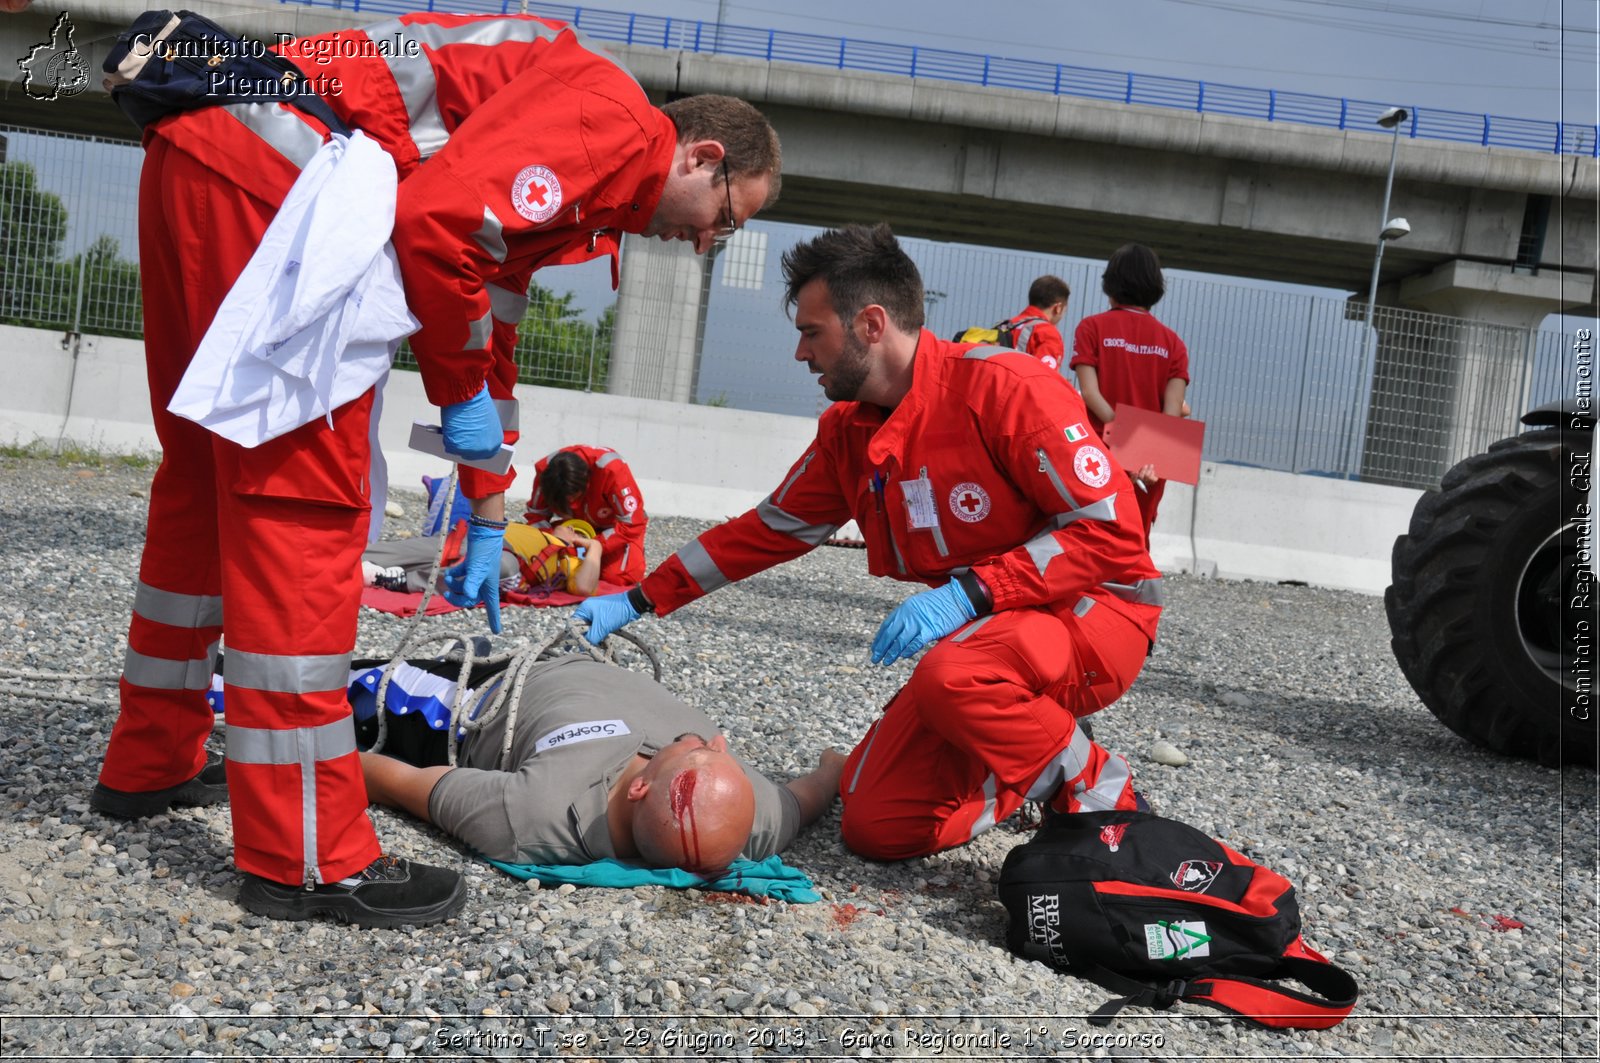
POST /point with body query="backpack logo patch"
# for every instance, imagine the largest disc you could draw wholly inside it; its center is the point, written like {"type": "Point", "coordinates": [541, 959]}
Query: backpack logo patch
{"type": "Point", "coordinates": [1196, 876]}
{"type": "Point", "coordinates": [1044, 923]}
{"type": "Point", "coordinates": [1112, 834]}
{"type": "Point", "coordinates": [1182, 939]}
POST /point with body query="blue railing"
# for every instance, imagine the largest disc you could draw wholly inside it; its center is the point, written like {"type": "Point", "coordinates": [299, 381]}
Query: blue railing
{"type": "Point", "coordinates": [844, 53]}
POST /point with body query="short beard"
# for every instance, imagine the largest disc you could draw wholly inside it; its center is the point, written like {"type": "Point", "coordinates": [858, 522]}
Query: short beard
{"type": "Point", "coordinates": [850, 371]}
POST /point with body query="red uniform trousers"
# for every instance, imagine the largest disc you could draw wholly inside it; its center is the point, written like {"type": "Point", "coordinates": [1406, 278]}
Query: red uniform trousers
{"type": "Point", "coordinates": [1149, 498]}
{"type": "Point", "coordinates": [275, 533]}
{"type": "Point", "coordinates": [988, 720]}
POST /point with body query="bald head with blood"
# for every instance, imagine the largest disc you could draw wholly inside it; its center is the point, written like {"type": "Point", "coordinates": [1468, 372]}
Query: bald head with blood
{"type": "Point", "coordinates": [692, 806]}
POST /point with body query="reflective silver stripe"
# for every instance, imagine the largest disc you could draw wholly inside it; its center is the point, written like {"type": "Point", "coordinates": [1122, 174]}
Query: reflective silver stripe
{"type": "Point", "coordinates": [1063, 767]}
{"type": "Point", "coordinates": [1145, 592]}
{"type": "Point", "coordinates": [1043, 550]}
{"type": "Point", "coordinates": [966, 632]}
{"type": "Point", "coordinates": [479, 332]}
{"type": "Point", "coordinates": [700, 567]}
{"type": "Point", "coordinates": [302, 746]}
{"type": "Point", "coordinates": [622, 515]}
{"type": "Point", "coordinates": [288, 675]}
{"type": "Point", "coordinates": [280, 127]}
{"type": "Point", "coordinates": [413, 72]}
{"type": "Point", "coordinates": [805, 463]}
{"type": "Point", "coordinates": [985, 818]}
{"type": "Point", "coordinates": [1105, 509]}
{"type": "Point", "coordinates": [509, 411]}
{"type": "Point", "coordinates": [987, 352]}
{"type": "Point", "coordinates": [606, 459]}
{"type": "Point", "coordinates": [491, 236]}
{"type": "Point", "coordinates": [872, 736]}
{"type": "Point", "coordinates": [627, 552]}
{"type": "Point", "coordinates": [506, 305]}
{"type": "Point", "coordinates": [1107, 789]}
{"type": "Point", "coordinates": [160, 673]}
{"type": "Point", "coordinates": [1048, 467]}
{"type": "Point", "coordinates": [292, 745]}
{"type": "Point", "coordinates": [177, 610]}
{"type": "Point", "coordinates": [899, 561]}
{"type": "Point", "coordinates": [938, 531]}
{"type": "Point", "coordinates": [1083, 607]}
{"type": "Point", "coordinates": [608, 533]}
{"type": "Point", "coordinates": [792, 526]}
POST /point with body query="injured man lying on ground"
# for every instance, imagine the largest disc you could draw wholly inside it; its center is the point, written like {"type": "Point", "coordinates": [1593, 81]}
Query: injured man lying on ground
{"type": "Point", "coordinates": [602, 763]}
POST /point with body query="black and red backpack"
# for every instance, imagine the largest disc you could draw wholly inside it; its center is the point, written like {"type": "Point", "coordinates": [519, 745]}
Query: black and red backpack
{"type": "Point", "coordinates": [1159, 912]}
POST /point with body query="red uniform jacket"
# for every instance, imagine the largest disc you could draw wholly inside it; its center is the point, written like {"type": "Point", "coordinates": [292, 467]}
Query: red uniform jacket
{"type": "Point", "coordinates": [517, 146]}
{"type": "Point", "coordinates": [1133, 354]}
{"type": "Point", "coordinates": [987, 465]}
{"type": "Point", "coordinates": [612, 505]}
{"type": "Point", "coordinates": [1040, 339]}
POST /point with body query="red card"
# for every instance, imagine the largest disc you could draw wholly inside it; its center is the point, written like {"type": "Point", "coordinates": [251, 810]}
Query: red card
{"type": "Point", "coordinates": [1139, 437]}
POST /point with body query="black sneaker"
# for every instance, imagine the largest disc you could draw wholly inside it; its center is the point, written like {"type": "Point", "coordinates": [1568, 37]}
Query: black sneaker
{"type": "Point", "coordinates": [392, 579]}
{"type": "Point", "coordinates": [210, 787]}
{"type": "Point", "coordinates": [389, 892]}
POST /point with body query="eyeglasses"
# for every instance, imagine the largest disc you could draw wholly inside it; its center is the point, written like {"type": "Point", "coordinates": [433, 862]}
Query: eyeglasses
{"type": "Point", "coordinates": [725, 229]}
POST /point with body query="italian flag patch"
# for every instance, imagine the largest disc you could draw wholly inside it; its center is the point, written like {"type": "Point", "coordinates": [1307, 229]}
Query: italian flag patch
{"type": "Point", "coordinates": [1075, 432]}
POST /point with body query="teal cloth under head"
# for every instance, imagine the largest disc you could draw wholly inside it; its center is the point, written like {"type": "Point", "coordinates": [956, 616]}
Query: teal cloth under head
{"type": "Point", "coordinates": [759, 878]}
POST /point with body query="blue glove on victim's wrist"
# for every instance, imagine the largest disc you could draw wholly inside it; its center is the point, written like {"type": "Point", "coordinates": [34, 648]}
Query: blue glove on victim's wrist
{"type": "Point", "coordinates": [472, 428]}
{"type": "Point", "coordinates": [478, 577]}
{"type": "Point", "coordinates": [921, 618]}
{"type": "Point", "coordinates": [605, 614]}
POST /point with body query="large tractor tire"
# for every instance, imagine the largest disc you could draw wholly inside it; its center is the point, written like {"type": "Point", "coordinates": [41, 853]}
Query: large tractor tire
{"type": "Point", "coordinates": [1489, 591]}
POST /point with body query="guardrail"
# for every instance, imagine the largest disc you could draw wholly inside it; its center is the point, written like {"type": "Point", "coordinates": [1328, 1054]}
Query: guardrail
{"type": "Point", "coordinates": [1152, 90]}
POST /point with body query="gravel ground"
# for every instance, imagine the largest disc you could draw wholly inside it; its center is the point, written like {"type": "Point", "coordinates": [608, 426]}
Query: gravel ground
{"type": "Point", "coordinates": [1458, 888]}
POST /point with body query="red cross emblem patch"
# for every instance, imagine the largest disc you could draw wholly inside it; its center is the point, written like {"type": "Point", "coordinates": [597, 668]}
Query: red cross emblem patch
{"type": "Point", "coordinates": [969, 502]}
{"type": "Point", "coordinates": [1092, 466]}
{"type": "Point", "coordinates": [536, 193]}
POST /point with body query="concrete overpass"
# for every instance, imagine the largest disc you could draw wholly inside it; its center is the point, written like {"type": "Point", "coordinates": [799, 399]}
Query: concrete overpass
{"type": "Point", "coordinates": [1063, 175]}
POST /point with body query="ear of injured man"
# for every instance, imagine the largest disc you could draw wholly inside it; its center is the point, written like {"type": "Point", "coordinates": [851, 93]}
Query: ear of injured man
{"type": "Point", "coordinates": [603, 763]}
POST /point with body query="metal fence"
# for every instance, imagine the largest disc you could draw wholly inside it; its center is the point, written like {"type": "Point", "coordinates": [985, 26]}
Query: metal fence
{"type": "Point", "coordinates": [1284, 379]}
{"type": "Point", "coordinates": [1119, 86]}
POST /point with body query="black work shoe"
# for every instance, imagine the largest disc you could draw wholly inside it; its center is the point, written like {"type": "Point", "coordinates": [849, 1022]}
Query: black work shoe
{"type": "Point", "coordinates": [389, 892]}
{"type": "Point", "coordinates": [210, 787]}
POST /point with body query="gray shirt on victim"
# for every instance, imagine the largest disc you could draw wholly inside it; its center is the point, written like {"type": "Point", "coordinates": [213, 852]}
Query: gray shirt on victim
{"type": "Point", "coordinates": [579, 724]}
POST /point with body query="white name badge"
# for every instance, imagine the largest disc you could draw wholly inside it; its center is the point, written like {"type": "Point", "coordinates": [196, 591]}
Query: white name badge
{"type": "Point", "coordinates": [920, 510]}
{"type": "Point", "coordinates": [580, 732]}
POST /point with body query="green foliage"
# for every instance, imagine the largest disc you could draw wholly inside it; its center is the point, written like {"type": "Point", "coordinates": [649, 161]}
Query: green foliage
{"type": "Point", "coordinates": [41, 289]}
{"type": "Point", "coordinates": [33, 225]}
{"type": "Point", "coordinates": [557, 347]}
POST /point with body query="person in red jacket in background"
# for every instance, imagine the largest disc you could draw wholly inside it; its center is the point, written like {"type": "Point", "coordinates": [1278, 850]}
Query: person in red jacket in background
{"type": "Point", "coordinates": [1036, 328]}
{"type": "Point", "coordinates": [1125, 355]}
{"type": "Point", "coordinates": [516, 147]}
{"type": "Point", "coordinates": [969, 469]}
{"type": "Point", "coordinates": [595, 485]}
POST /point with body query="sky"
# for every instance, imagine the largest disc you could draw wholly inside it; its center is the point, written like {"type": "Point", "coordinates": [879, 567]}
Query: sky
{"type": "Point", "coordinates": [1518, 58]}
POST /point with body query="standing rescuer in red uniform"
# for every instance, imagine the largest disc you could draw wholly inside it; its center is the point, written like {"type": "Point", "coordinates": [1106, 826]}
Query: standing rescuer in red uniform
{"type": "Point", "coordinates": [1125, 355]}
{"type": "Point", "coordinates": [972, 470]}
{"type": "Point", "coordinates": [595, 485]}
{"type": "Point", "coordinates": [516, 147]}
{"type": "Point", "coordinates": [1037, 328]}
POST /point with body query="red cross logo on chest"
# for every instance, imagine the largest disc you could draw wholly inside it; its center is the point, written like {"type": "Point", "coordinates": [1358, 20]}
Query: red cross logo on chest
{"type": "Point", "coordinates": [536, 193]}
{"type": "Point", "coordinates": [970, 502]}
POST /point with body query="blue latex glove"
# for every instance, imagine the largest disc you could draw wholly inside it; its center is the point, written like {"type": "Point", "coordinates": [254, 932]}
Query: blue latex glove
{"type": "Point", "coordinates": [921, 618]}
{"type": "Point", "coordinates": [472, 428]}
{"type": "Point", "coordinates": [478, 577]}
{"type": "Point", "coordinates": [605, 614]}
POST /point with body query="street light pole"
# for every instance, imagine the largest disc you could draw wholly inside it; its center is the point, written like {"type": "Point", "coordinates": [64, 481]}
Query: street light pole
{"type": "Point", "coordinates": [1388, 229]}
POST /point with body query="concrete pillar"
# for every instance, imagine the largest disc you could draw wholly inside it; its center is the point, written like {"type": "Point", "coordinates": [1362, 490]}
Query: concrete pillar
{"type": "Point", "coordinates": [660, 314]}
{"type": "Point", "coordinates": [1451, 368]}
